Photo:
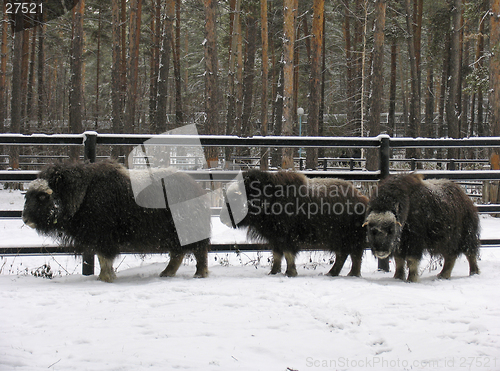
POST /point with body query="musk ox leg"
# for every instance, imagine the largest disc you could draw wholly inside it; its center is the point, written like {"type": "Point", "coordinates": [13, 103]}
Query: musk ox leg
{"type": "Point", "coordinates": [291, 269]}
{"type": "Point", "coordinates": [107, 273]}
{"type": "Point", "coordinates": [201, 262]}
{"type": "Point", "coordinates": [340, 259]}
{"type": "Point", "coordinates": [356, 266]}
{"type": "Point", "coordinates": [400, 273]}
{"type": "Point", "coordinates": [277, 257]}
{"type": "Point", "coordinates": [449, 263]}
{"type": "Point", "coordinates": [413, 264]}
{"type": "Point", "coordinates": [473, 267]}
{"type": "Point", "coordinates": [173, 265]}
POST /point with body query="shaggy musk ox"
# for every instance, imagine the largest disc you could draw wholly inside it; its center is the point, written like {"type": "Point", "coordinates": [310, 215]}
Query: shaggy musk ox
{"type": "Point", "coordinates": [293, 212]}
{"type": "Point", "coordinates": [410, 216]}
{"type": "Point", "coordinates": [92, 208]}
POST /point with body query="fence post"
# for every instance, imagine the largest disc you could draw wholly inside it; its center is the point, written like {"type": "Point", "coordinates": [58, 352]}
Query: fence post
{"type": "Point", "coordinates": [384, 155]}
{"type": "Point", "coordinates": [89, 153]}
{"type": "Point", "coordinates": [89, 142]}
{"type": "Point", "coordinates": [385, 146]}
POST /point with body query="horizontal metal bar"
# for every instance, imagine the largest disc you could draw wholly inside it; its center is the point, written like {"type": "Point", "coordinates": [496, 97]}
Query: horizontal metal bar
{"type": "Point", "coordinates": [41, 250]}
{"type": "Point", "coordinates": [444, 142]}
{"type": "Point", "coordinates": [11, 214]}
{"type": "Point", "coordinates": [18, 175]}
{"type": "Point", "coordinates": [225, 140]}
{"type": "Point", "coordinates": [215, 211]}
{"type": "Point", "coordinates": [42, 139]}
{"type": "Point", "coordinates": [256, 141]}
{"type": "Point", "coordinates": [462, 174]}
{"type": "Point", "coordinates": [488, 209]}
{"type": "Point", "coordinates": [444, 160]}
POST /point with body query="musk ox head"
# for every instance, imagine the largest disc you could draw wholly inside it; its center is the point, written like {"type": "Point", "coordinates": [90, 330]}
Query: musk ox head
{"type": "Point", "coordinates": [42, 208]}
{"type": "Point", "coordinates": [54, 197]}
{"type": "Point", "coordinates": [384, 233]}
{"type": "Point", "coordinates": [386, 216]}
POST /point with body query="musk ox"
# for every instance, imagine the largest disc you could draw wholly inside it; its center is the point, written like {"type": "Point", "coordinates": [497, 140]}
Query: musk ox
{"type": "Point", "coordinates": [292, 212]}
{"type": "Point", "coordinates": [92, 208]}
{"type": "Point", "coordinates": [410, 216]}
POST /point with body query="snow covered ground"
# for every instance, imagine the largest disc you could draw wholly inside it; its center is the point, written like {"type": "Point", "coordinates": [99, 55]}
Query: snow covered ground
{"type": "Point", "coordinates": [240, 318]}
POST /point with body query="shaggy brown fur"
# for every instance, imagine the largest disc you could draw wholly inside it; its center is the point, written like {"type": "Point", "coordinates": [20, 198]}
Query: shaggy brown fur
{"type": "Point", "coordinates": [292, 212]}
{"type": "Point", "coordinates": [410, 216]}
{"type": "Point", "coordinates": [92, 208]}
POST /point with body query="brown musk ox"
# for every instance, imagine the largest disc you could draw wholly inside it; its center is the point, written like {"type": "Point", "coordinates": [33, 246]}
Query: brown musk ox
{"type": "Point", "coordinates": [292, 212]}
{"type": "Point", "coordinates": [92, 208]}
{"type": "Point", "coordinates": [410, 216]}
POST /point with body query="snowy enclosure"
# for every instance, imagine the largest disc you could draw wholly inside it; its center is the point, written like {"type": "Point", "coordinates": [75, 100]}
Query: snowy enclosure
{"type": "Point", "coordinates": [239, 318]}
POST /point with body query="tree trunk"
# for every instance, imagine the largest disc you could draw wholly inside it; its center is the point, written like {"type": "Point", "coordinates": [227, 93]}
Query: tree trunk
{"type": "Point", "coordinates": [179, 117]}
{"type": "Point", "coordinates": [41, 72]}
{"type": "Point", "coordinates": [156, 32]}
{"type": "Point", "coordinates": [315, 80]}
{"type": "Point", "coordinates": [453, 104]}
{"type": "Point", "coordinates": [116, 85]}
{"type": "Point", "coordinates": [24, 79]}
{"type": "Point", "coordinates": [349, 70]}
{"type": "Point", "coordinates": [30, 91]}
{"type": "Point", "coordinates": [76, 90]}
{"type": "Point", "coordinates": [3, 71]}
{"type": "Point", "coordinates": [231, 94]}
{"type": "Point", "coordinates": [288, 49]}
{"type": "Point", "coordinates": [429, 97]}
{"type": "Point", "coordinates": [211, 80]}
{"type": "Point", "coordinates": [417, 39]}
{"type": "Point", "coordinates": [133, 66]}
{"type": "Point", "coordinates": [443, 89]}
{"type": "Point", "coordinates": [16, 98]}
{"type": "Point", "coordinates": [277, 153]}
{"type": "Point", "coordinates": [264, 154]}
{"type": "Point", "coordinates": [495, 70]}
{"type": "Point", "coordinates": [161, 109]}
{"type": "Point", "coordinates": [478, 64]}
{"type": "Point", "coordinates": [414, 109]}
{"type": "Point", "coordinates": [98, 73]}
{"type": "Point", "coordinates": [391, 119]}
{"type": "Point", "coordinates": [377, 93]}
{"type": "Point", "coordinates": [239, 80]}
{"type": "Point", "coordinates": [249, 74]}
{"type": "Point", "coordinates": [321, 123]}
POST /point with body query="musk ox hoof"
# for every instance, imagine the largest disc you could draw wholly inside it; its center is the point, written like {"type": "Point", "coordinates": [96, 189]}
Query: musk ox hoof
{"type": "Point", "coordinates": [167, 273]}
{"type": "Point", "coordinates": [202, 274]}
{"type": "Point", "coordinates": [400, 276]}
{"type": "Point", "coordinates": [107, 276]}
{"type": "Point", "coordinates": [444, 276]}
{"type": "Point", "coordinates": [291, 273]}
{"type": "Point", "coordinates": [354, 274]}
{"type": "Point", "coordinates": [412, 278]}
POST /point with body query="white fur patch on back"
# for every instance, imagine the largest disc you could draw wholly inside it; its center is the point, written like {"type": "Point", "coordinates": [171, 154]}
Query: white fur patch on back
{"type": "Point", "coordinates": [40, 185]}
{"type": "Point", "coordinates": [381, 218]}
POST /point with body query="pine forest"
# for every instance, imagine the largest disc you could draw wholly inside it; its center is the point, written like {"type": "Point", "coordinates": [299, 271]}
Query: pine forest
{"type": "Point", "coordinates": [408, 68]}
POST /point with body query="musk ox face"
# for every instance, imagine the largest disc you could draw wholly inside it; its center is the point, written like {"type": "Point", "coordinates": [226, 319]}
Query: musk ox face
{"type": "Point", "coordinates": [41, 207]}
{"type": "Point", "coordinates": [384, 233]}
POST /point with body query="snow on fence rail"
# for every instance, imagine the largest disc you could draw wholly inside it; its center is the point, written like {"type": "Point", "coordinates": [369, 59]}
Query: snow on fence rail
{"type": "Point", "coordinates": [90, 139]}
